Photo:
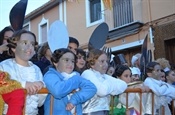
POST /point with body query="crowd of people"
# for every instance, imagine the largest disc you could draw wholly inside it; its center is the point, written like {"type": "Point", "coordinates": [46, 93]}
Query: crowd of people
{"type": "Point", "coordinates": [80, 82]}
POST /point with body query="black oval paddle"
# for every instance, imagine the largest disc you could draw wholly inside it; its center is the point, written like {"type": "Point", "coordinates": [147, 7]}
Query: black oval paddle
{"type": "Point", "coordinates": [17, 14]}
{"type": "Point", "coordinates": [98, 37]}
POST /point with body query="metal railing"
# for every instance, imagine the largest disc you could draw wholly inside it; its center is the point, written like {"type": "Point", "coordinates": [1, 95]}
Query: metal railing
{"type": "Point", "coordinates": [127, 91]}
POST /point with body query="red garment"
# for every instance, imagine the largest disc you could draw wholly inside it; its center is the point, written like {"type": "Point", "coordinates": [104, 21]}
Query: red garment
{"type": "Point", "coordinates": [134, 112]}
{"type": "Point", "coordinates": [15, 101]}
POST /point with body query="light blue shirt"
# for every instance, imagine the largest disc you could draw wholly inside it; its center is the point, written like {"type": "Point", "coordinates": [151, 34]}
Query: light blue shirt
{"type": "Point", "coordinates": [60, 89]}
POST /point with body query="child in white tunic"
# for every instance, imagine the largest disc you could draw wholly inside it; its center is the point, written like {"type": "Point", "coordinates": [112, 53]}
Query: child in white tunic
{"type": "Point", "coordinates": [124, 73]}
{"type": "Point", "coordinates": [170, 78]}
{"type": "Point", "coordinates": [164, 92]}
{"type": "Point", "coordinates": [22, 70]}
{"type": "Point", "coordinates": [97, 62]}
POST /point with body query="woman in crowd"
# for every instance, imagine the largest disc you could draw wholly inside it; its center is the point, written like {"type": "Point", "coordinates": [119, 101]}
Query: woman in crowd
{"type": "Point", "coordinates": [110, 71]}
{"type": "Point", "coordinates": [97, 63]}
{"type": "Point", "coordinates": [163, 76]}
{"type": "Point", "coordinates": [170, 76]}
{"type": "Point", "coordinates": [81, 61]}
{"type": "Point", "coordinates": [61, 80]}
{"type": "Point", "coordinates": [5, 34]}
{"type": "Point", "coordinates": [21, 46]}
{"type": "Point", "coordinates": [44, 57]}
{"type": "Point", "coordinates": [170, 79]}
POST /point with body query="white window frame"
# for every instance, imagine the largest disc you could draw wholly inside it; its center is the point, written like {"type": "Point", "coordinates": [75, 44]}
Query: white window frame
{"type": "Point", "coordinates": [27, 24]}
{"type": "Point", "coordinates": [62, 12]}
{"type": "Point", "coordinates": [128, 45]}
{"type": "Point", "coordinates": [42, 22]}
{"type": "Point", "coordinates": [88, 23]}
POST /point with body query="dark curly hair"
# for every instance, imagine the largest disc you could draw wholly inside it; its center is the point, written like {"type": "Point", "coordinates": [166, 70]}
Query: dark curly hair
{"type": "Point", "coordinates": [57, 54]}
{"type": "Point", "coordinates": [81, 52]}
{"type": "Point", "coordinates": [120, 69]}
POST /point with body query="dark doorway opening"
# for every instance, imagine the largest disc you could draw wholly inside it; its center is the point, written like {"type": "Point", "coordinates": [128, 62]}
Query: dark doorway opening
{"type": "Point", "coordinates": [128, 53]}
{"type": "Point", "coordinates": [170, 50]}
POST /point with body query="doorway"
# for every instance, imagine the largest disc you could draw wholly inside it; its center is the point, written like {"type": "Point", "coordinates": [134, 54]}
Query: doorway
{"type": "Point", "coordinates": [128, 53]}
{"type": "Point", "coordinates": [170, 50]}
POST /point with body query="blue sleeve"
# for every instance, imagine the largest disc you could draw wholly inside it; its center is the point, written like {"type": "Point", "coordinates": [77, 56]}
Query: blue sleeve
{"type": "Point", "coordinates": [60, 88]}
{"type": "Point", "coordinates": [86, 91]}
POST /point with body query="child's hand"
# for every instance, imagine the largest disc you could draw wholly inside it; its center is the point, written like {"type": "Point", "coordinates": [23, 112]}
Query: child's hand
{"type": "Point", "coordinates": [33, 87]}
{"type": "Point", "coordinates": [38, 85]}
{"type": "Point", "coordinates": [69, 106]}
{"type": "Point", "coordinates": [147, 89]}
{"type": "Point", "coordinates": [3, 47]}
{"type": "Point", "coordinates": [141, 87]}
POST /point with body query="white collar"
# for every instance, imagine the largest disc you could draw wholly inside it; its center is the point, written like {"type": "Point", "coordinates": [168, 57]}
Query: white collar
{"type": "Point", "coordinates": [66, 76]}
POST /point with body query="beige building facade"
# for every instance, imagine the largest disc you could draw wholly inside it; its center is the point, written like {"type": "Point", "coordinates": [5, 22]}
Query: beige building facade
{"type": "Point", "coordinates": [129, 22]}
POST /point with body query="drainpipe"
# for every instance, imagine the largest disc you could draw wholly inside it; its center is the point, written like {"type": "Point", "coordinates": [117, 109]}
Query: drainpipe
{"type": "Point", "coordinates": [150, 30]}
{"type": "Point", "coordinates": [152, 48]}
{"type": "Point", "coordinates": [151, 35]}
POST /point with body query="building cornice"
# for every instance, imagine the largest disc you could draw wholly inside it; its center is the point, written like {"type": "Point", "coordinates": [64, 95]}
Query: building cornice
{"type": "Point", "coordinates": [39, 11]}
{"type": "Point", "coordinates": [125, 30]}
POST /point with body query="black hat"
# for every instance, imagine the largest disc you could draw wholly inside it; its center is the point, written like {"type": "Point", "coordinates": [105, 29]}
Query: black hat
{"type": "Point", "coordinates": [119, 59]}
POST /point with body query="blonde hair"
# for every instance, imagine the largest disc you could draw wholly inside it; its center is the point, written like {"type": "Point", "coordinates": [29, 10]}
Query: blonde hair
{"type": "Point", "coordinates": [164, 63]}
{"type": "Point", "coordinates": [92, 56]}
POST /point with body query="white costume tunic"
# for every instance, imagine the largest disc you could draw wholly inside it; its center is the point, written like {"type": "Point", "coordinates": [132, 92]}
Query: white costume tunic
{"type": "Point", "coordinates": [106, 85]}
{"type": "Point", "coordinates": [134, 99]}
{"type": "Point", "coordinates": [23, 74]}
{"type": "Point", "coordinates": [164, 93]}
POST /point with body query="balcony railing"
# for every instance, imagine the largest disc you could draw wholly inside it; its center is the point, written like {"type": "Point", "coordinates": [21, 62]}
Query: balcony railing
{"type": "Point", "coordinates": [122, 12]}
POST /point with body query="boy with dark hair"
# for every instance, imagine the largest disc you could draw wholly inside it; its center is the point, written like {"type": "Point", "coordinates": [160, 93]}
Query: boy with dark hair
{"type": "Point", "coordinates": [73, 44]}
